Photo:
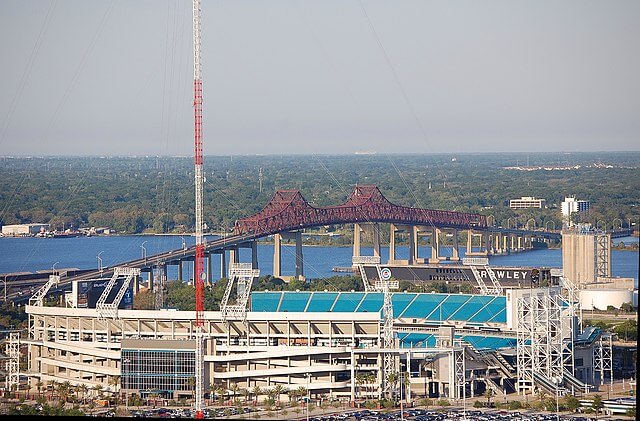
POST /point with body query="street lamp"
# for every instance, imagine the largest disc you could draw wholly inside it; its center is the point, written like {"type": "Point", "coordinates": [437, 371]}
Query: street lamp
{"type": "Point", "coordinates": [556, 381]}
{"type": "Point", "coordinates": [401, 384]}
{"type": "Point", "coordinates": [184, 243]}
{"type": "Point", "coordinates": [144, 251]}
{"type": "Point", "coordinates": [100, 261]}
{"type": "Point", "coordinates": [53, 268]}
{"type": "Point", "coordinates": [308, 395]}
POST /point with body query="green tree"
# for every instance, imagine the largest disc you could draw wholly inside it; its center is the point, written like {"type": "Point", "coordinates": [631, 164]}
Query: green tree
{"type": "Point", "coordinates": [597, 404]}
{"type": "Point", "coordinates": [488, 393]}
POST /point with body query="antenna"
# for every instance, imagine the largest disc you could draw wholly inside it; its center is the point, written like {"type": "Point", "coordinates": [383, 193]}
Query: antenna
{"type": "Point", "coordinates": [199, 274]}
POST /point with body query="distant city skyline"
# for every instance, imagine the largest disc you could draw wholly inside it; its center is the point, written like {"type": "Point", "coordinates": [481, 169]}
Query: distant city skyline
{"type": "Point", "coordinates": [320, 77]}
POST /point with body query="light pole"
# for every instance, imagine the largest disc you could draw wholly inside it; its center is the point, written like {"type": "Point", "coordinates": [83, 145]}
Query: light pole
{"type": "Point", "coordinates": [144, 251]}
{"type": "Point", "coordinates": [556, 381]}
{"type": "Point", "coordinates": [308, 395]}
{"type": "Point", "coordinates": [184, 243]}
{"type": "Point", "coordinates": [401, 384]}
{"type": "Point", "coordinates": [100, 261]}
{"type": "Point", "coordinates": [53, 268]}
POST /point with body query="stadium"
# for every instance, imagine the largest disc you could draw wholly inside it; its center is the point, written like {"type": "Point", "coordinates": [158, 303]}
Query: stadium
{"type": "Point", "coordinates": [345, 346]}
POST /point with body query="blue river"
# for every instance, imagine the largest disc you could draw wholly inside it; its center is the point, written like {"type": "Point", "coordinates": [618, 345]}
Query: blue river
{"type": "Point", "coordinates": [32, 254]}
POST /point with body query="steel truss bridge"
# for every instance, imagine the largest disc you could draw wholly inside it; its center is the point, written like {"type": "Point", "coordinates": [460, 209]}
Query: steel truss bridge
{"type": "Point", "coordinates": [287, 211]}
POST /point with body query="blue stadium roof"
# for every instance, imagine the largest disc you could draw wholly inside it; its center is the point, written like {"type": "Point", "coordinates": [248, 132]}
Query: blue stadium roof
{"type": "Point", "coordinates": [421, 306]}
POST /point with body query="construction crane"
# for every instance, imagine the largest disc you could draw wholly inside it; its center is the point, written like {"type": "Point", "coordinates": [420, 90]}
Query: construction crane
{"type": "Point", "coordinates": [199, 274]}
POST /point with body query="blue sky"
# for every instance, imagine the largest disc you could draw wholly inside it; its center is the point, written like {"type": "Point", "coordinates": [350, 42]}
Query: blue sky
{"type": "Point", "coordinates": [320, 76]}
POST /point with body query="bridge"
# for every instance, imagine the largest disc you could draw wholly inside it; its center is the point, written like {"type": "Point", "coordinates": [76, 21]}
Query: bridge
{"type": "Point", "coordinates": [286, 216]}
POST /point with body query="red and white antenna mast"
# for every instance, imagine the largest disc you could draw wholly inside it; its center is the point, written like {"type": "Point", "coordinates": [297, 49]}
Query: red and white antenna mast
{"type": "Point", "coordinates": [199, 274]}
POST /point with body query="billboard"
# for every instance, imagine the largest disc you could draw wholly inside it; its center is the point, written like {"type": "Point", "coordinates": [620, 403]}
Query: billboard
{"type": "Point", "coordinates": [87, 293]}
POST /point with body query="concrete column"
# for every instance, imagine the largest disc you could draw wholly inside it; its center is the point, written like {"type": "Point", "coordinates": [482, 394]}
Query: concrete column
{"type": "Point", "coordinates": [357, 230]}
{"type": "Point", "coordinates": [277, 255]}
{"type": "Point", "coordinates": [376, 239]}
{"type": "Point", "coordinates": [209, 269]}
{"type": "Point", "coordinates": [435, 246]}
{"type": "Point", "coordinates": [392, 243]}
{"type": "Point", "coordinates": [454, 253]}
{"type": "Point", "coordinates": [519, 243]}
{"type": "Point", "coordinates": [179, 270]}
{"type": "Point", "coordinates": [413, 241]}
{"type": "Point", "coordinates": [136, 284]}
{"type": "Point", "coordinates": [223, 265]}
{"type": "Point", "coordinates": [234, 255]}
{"type": "Point", "coordinates": [485, 237]}
{"type": "Point", "coordinates": [150, 279]}
{"type": "Point", "coordinates": [254, 254]}
{"type": "Point", "coordinates": [469, 242]}
{"type": "Point", "coordinates": [353, 376]}
{"type": "Point", "coordinates": [299, 259]}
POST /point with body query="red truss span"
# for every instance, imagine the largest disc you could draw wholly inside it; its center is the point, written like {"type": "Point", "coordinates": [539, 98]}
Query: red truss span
{"type": "Point", "coordinates": [288, 210]}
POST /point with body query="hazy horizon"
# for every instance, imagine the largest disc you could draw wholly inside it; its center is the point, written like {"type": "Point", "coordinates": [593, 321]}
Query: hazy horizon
{"type": "Point", "coordinates": [300, 77]}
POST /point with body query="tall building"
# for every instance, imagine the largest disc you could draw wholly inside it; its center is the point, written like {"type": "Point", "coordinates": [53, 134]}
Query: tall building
{"type": "Point", "coordinates": [571, 205]}
{"type": "Point", "coordinates": [527, 202]}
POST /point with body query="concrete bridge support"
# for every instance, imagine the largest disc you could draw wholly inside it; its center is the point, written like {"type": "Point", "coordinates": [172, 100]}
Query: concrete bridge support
{"type": "Point", "coordinates": [277, 253]}
{"type": "Point", "coordinates": [454, 252]}
{"type": "Point", "coordinates": [435, 246]}
{"type": "Point", "coordinates": [393, 229]}
{"type": "Point", "coordinates": [371, 230]}
{"type": "Point", "coordinates": [484, 242]}
{"type": "Point", "coordinates": [223, 264]}
{"type": "Point", "coordinates": [179, 270]}
{"type": "Point", "coordinates": [209, 268]}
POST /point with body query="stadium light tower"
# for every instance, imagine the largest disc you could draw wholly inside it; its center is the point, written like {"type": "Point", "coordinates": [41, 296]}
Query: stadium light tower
{"type": "Point", "coordinates": [199, 274]}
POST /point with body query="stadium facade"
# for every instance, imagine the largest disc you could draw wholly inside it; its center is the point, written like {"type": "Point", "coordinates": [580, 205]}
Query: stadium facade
{"type": "Point", "coordinates": [331, 343]}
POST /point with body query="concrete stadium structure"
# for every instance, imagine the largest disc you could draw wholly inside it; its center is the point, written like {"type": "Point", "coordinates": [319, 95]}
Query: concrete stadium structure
{"type": "Point", "coordinates": [448, 345]}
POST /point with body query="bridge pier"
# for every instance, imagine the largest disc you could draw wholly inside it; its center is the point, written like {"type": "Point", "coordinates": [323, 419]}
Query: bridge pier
{"type": "Point", "coordinates": [179, 270]}
{"type": "Point", "coordinates": [372, 229]}
{"type": "Point", "coordinates": [454, 252]}
{"type": "Point", "coordinates": [277, 253]}
{"type": "Point", "coordinates": [411, 229]}
{"type": "Point", "coordinates": [223, 264]}
{"type": "Point", "coordinates": [484, 243]}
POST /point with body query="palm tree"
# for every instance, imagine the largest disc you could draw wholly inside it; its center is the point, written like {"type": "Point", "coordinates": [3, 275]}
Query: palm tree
{"type": "Point", "coordinates": [277, 391]}
{"type": "Point", "coordinates": [301, 391]}
{"type": "Point", "coordinates": [98, 389]}
{"type": "Point", "coordinates": [361, 379]}
{"type": "Point", "coordinates": [84, 389]}
{"type": "Point", "coordinates": [64, 389]}
{"type": "Point", "coordinates": [406, 383]}
{"type": "Point", "coordinates": [256, 392]}
{"type": "Point", "coordinates": [221, 392]}
{"type": "Point", "coordinates": [39, 385]}
{"type": "Point", "coordinates": [234, 389]}
{"type": "Point", "coordinates": [114, 381]}
{"type": "Point", "coordinates": [52, 385]}
{"type": "Point", "coordinates": [245, 393]}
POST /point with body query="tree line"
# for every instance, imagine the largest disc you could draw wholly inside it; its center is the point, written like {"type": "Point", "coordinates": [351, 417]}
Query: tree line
{"type": "Point", "coordinates": [156, 194]}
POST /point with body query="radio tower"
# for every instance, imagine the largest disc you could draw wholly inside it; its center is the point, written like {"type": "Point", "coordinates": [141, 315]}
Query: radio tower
{"type": "Point", "coordinates": [199, 275]}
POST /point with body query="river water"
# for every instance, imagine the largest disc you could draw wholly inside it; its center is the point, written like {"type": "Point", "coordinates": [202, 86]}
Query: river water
{"type": "Point", "coordinates": [32, 254]}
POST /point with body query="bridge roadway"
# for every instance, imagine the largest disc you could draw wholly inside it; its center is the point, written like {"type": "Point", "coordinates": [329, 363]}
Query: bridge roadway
{"type": "Point", "coordinates": [552, 235]}
{"type": "Point", "coordinates": [18, 288]}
